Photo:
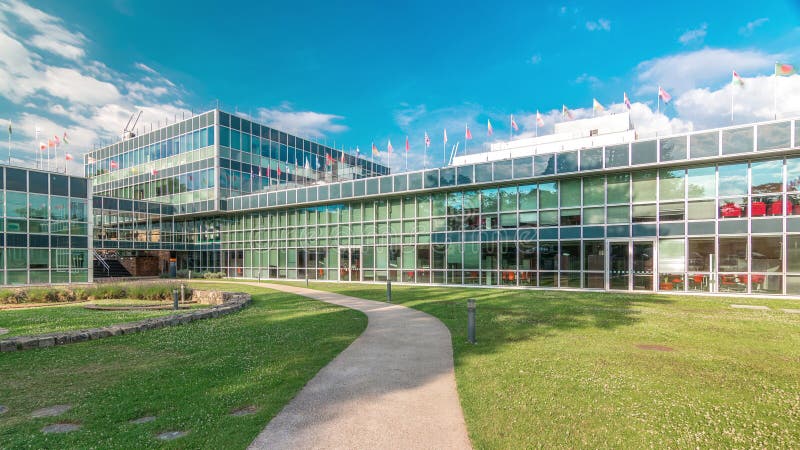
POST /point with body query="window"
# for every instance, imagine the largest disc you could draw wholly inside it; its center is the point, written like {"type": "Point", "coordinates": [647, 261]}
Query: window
{"type": "Point", "coordinates": [570, 193]}
{"type": "Point", "coordinates": [702, 182]}
{"type": "Point", "coordinates": [733, 179]}
{"type": "Point", "coordinates": [673, 149]}
{"type": "Point", "coordinates": [548, 195]}
{"type": "Point", "coordinates": [774, 136]}
{"type": "Point", "coordinates": [767, 177]}
{"type": "Point", "coordinates": [671, 184]}
{"type": "Point", "coordinates": [705, 144]}
{"type": "Point", "coordinates": [594, 191]}
{"type": "Point", "coordinates": [644, 186]}
{"type": "Point", "coordinates": [737, 141]}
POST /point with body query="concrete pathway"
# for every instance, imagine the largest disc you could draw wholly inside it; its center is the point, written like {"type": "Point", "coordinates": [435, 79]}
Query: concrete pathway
{"type": "Point", "coordinates": [393, 387]}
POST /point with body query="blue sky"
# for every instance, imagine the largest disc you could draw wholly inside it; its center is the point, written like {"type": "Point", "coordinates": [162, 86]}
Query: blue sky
{"type": "Point", "coordinates": [358, 72]}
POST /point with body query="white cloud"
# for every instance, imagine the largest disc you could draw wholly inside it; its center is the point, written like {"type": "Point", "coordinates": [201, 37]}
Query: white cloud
{"type": "Point", "coordinates": [535, 59]}
{"type": "Point", "coordinates": [409, 114]}
{"type": "Point", "coordinates": [48, 33]}
{"type": "Point", "coordinates": [599, 25]}
{"type": "Point", "coordinates": [591, 80]}
{"type": "Point", "coordinates": [71, 85]}
{"type": "Point", "coordinates": [695, 35]}
{"type": "Point", "coordinates": [304, 123]}
{"type": "Point", "coordinates": [145, 67]}
{"type": "Point", "coordinates": [748, 29]}
{"type": "Point", "coordinates": [684, 71]}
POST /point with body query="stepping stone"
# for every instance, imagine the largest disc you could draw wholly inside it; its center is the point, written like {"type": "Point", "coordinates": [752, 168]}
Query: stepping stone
{"type": "Point", "coordinates": [61, 428]}
{"type": "Point", "coordinates": [141, 420]}
{"type": "Point", "coordinates": [791, 311]}
{"type": "Point", "coordinates": [170, 435]}
{"type": "Point", "coordinates": [3, 409]}
{"type": "Point", "coordinates": [246, 411]}
{"type": "Point", "coordinates": [3, 330]}
{"type": "Point", "coordinates": [51, 411]}
{"type": "Point", "coordinates": [757, 307]}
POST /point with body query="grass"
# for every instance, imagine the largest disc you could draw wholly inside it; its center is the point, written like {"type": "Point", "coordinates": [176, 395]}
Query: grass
{"type": "Point", "coordinates": [563, 369]}
{"type": "Point", "coordinates": [47, 319]}
{"type": "Point", "coordinates": [190, 377]}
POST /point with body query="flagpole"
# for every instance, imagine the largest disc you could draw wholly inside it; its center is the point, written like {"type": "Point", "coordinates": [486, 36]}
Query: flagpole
{"type": "Point", "coordinates": [511, 128]}
{"type": "Point", "coordinates": [775, 94]}
{"type": "Point", "coordinates": [9, 142]}
{"type": "Point", "coordinates": [658, 101]}
{"type": "Point", "coordinates": [466, 141]}
{"type": "Point", "coordinates": [732, 89]}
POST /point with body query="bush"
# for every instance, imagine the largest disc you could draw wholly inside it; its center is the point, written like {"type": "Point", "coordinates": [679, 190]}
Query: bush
{"type": "Point", "coordinates": [12, 296]}
{"type": "Point", "coordinates": [42, 295]}
{"type": "Point", "coordinates": [214, 275]}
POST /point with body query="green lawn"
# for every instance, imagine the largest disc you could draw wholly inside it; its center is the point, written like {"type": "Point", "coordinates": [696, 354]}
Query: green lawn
{"type": "Point", "coordinates": [65, 317]}
{"type": "Point", "coordinates": [190, 377]}
{"type": "Point", "coordinates": [564, 370]}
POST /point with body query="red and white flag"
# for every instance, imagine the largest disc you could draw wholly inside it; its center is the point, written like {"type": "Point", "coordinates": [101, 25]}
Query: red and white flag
{"type": "Point", "coordinates": [467, 134]}
{"type": "Point", "coordinates": [737, 80]}
{"type": "Point", "coordinates": [489, 128]}
{"type": "Point", "coordinates": [51, 143]}
{"type": "Point", "coordinates": [68, 156]}
{"type": "Point", "coordinates": [626, 100]}
{"type": "Point", "coordinates": [565, 112]}
{"type": "Point", "coordinates": [407, 147]}
{"type": "Point", "coordinates": [154, 172]}
{"type": "Point", "coordinates": [664, 95]}
{"type": "Point", "coordinates": [514, 125]}
{"type": "Point", "coordinates": [539, 119]}
{"type": "Point", "coordinates": [55, 139]}
{"type": "Point", "coordinates": [427, 140]}
{"type": "Point", "coordinates": [114, 164]}
{"type": "Point", "coordinates": [389, 147]}
{"type": "Point", "coordinates": [342, 159]}
{"type": "Point", "coordinates": [42, 146]}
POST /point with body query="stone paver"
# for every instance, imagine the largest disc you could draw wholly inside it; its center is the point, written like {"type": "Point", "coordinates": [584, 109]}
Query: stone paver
{"type": "Point", "coordinates": [141, 420]}
{"type": "Point", "coordinates": [754, 307]}
{"type": "Point", "coordinates": [61, 428]}
{"type": "Point", "coordinates": [246, 411]}
{"type": "Point", "coordinates": [393, 387]}
{"type": "Point", "coordinates": [51, 411]}
{"type": "Point", "coordinates": [170, 435]}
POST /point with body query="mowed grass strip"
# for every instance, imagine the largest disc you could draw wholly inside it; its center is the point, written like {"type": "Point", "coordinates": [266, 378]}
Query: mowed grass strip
{"type": "Point", "coordinates": [191, 377]}
{"type": "Point", "coordinates": [64, 317]}
{"type": "Point", "coordinates": [601, 370]}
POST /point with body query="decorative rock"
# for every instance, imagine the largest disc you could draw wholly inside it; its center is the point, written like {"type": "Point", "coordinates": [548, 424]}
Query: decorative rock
{"type": "Point", "coordinates": [141, 420]}
{"type": "Point", "coordinates": [8, 346]}
{"type": "Point", "coordinates": [51, 411]}
{"type": "Point", "coordinates": [170, 435]}
{"type": "Point", "coordinates": [46, 342]}
{"type": "Point", "coordinates": [246, 411]}
{"type": "Point", "coordinates": [3, 409]}
{"type": "Point", "coordinates": [755, 307]}
{"type": "Point", "coordinates": [61, 428]}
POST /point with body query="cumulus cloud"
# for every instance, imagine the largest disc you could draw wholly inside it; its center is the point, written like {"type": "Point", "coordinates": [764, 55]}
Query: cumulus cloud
{"type": "Point", "coordinates": [598, 25]}
{"type": "Point", "coordinates": [689, 70]}
{"type": "Point", "coordinates": [47, 32]}
{"type": "Point", "coordinates": [695, 35]}
{"type": "Point", "coordinates": [748, 29]}
{"type": "Point", "coordinates": [535, 59]}
{"type": "Point", "coordinates": [304, 123]}
{"type": "Point", "coordinates": [591, 80]}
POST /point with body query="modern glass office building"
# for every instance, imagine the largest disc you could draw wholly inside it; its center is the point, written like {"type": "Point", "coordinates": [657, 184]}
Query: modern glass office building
{"type": "Point", "coordinates": [44, 218]}
{"type": "Point", "coordinates": [594, 206]}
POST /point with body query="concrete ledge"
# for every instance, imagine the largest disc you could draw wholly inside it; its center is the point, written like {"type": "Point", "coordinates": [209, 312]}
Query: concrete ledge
{"type": "Point", "coordinates": [232, 302]}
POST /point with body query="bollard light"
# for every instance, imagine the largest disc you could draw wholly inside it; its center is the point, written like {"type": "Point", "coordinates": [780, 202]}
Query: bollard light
{"type": "Point", "coordinates": [183, 293]}
{"type": "Point", "coordinates": [389, 290]}
{"type": "Point", "coordinates": [471, 320]}
{"type": "Point", "coordinates": [175, 299]}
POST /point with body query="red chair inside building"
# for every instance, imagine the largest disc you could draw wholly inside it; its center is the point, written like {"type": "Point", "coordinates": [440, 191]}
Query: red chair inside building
{"type": "Point", "coordinates": [776, 209]}
{"type": "Point", "coordinates": [731, 210]}
{"type": "Point", "coordinates": [797, 209]}
{"type": "Point", "coordinates": [758, 209]}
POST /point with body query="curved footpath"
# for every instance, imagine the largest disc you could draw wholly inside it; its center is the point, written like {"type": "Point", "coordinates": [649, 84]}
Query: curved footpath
{"type": "Point", "coordinates": [393, 387]}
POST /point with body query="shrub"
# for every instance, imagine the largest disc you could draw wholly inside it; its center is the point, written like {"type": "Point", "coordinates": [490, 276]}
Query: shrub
{"type": "Point", "coordinates": [81, 294]}
{"type": "Point", "coordinates": [42, 295]}
{"type": "Point", "coordinates": [12, 296]}
{"type": "Point", "coordinates": [214, 275]}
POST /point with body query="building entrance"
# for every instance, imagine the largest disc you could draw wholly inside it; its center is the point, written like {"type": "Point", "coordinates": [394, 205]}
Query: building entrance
{"type": "Point", "coordinates": [631, 265]}
{"type": "Point", "coordinates": [349, 263]}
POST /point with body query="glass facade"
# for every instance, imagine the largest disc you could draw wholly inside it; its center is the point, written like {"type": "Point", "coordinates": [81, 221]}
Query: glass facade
{"type": "Point", "coordinates": [44, 219]}
{"type": "Point", "coordinates": [712, 211]}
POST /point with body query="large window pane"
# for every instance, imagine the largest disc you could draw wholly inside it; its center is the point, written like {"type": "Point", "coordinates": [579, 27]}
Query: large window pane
{"type": "Point", "coordinates": [594, 191]}
{"type": "Point", "coordinates": [733, 179]}
{"type": "Point", "coordinates": [528, 197]}
{"type": "Point", "coordinates": [570, 193]}
{"type": "Point", "coordinates": [508, 198]}
{"type": "Point", "coordinates": [702, 182]}
{"type": "Point", "coordinates": [644, 186]}
{"type": "Point", "coordinates": [618, 188]}
{"type": "Point", "coordinates": [617, 156]}
{"type": "Point", "coordinates": [618, 214]}
{"type": "Point", "coordinates": [766, 254]}
{"type": "Point", "coordinates": [673, 149]}
{"type": "Point", "coordinates": [644, 152]}
{"type": "Point", "coordinates": [767, 176]}
{"type": "Point", "coordinates": [548, 195]}
{"type": "Point", "coordinates": [793, 174]}
{"type": "Point", "coordinates": [774, 135]}
{"type": "Point", "coordinates": [737, 141]}
{"type": "Point", "coordinates": [706, 144]}
{"type": "Point", "coordinates": [671, 184]}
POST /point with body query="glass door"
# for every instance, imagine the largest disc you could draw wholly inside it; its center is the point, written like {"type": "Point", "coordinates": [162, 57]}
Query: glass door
{"type": "Point", "coordinates": [344, 264]}
{"type": "Point", "coordinates": [643, 267]}
{"type": "Point", "coordinates": [631, 265]}
{"type": "Point", "coordinates": [619, 274]}
{"type": "Point", "coordinates": [349, 264]}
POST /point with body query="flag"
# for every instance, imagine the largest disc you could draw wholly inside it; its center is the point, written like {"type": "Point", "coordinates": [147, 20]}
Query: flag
{"type": "Point", "coordinates": [342, 158]}
{"type": "Point", "coordinates": [784, 70]}
{"type": "Point", "coordinates": [427, 140]}
{"type": "Point", "coordinates": [736, 80]}
{"type": "Point", "coordinates": [539, 119]}
{"type": "Point", "coordinates": [328, 159]}
{"type": "Point", "coordinates": [50, 143]}
{"type": "Point", "coordinates": [467, 134]}
{"type": "Point", "coordinates": [154, 172]}
{"type": "Point", "coordinates": [68, 156]}
{"type": "Point", "coordinates": [42, 146]}
{"type": "Point", "coordinates": [489, 127]}
{"type": "Point", "coordinates": [407, 147]}
{"type": "Point", "coordinates": [56, 140]}
{"type": "Point", "coordinates": [375, 150]}
{"type": "Point", "coordinates": [445, 135]}
{"type": "Point", "coordinates": [565, 112]}
{"type": "Point", "coordinates": [114, 164]}
{"type": "Point", "coordinates": [626, 100]}
{"type": "Point", "coordinates": [597, 106]}
{"type": "Point", "coordinates": [279, 170]}
{"type": "Point", "coordinates": [66, 141]}
{"type": "Point", "coordinates": [514, 125]}
{"type": "Point", "coordinates": [664, 95]}
{"type": "Point", "coordinates": [389, 147]}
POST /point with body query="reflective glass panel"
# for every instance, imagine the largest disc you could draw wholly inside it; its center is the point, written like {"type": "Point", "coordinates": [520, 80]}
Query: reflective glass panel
{"type": "Point", "coordinates": [737, 141]}
{"type": "Point", "coordinates": [705, 144]}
